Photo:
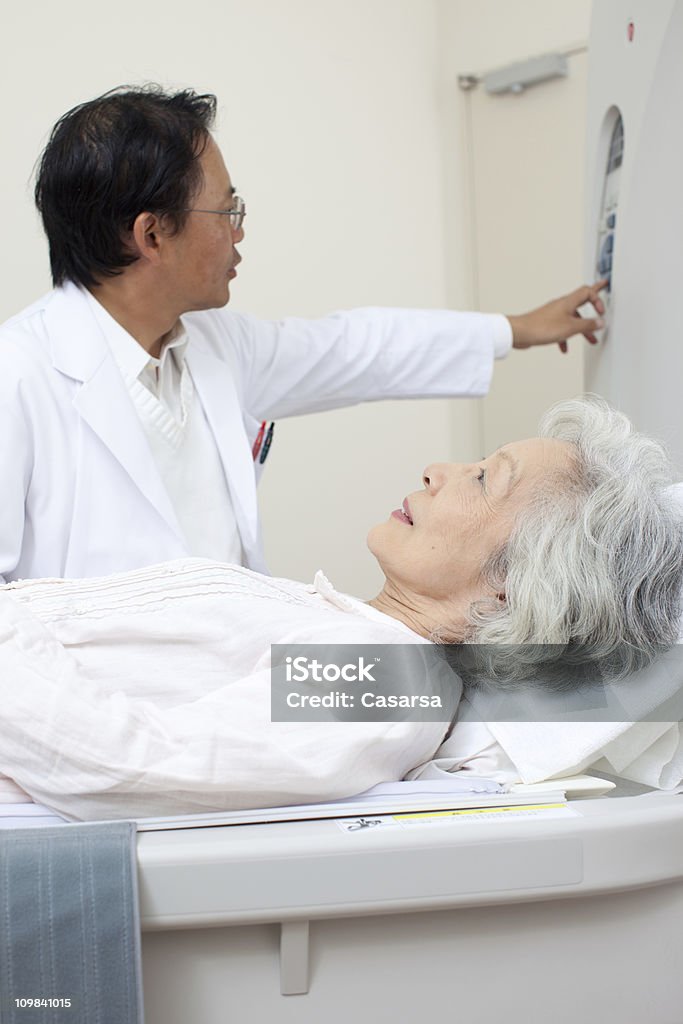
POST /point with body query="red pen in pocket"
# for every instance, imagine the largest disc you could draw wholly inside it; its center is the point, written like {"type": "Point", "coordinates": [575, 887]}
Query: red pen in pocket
{"type": "Point", "coordinates": [256, 448]}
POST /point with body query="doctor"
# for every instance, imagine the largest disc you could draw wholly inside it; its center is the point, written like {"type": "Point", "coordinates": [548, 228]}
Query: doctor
{"type": "Point", "coordinates": [131, 400]}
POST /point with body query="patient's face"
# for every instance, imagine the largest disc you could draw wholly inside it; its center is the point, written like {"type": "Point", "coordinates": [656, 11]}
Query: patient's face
{"type": "Point", "coordinates": [437, 545]}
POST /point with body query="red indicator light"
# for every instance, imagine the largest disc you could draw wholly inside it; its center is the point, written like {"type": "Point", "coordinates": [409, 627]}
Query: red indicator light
{"type": "Point", "coordinates": [631, 31]}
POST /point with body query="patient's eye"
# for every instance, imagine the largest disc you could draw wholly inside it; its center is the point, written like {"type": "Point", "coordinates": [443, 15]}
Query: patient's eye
{"type": "Point", "coordinates": [481, 477]}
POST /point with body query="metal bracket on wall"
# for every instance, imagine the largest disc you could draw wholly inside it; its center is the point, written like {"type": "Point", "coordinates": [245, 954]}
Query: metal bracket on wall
{"type": "Point", "coordinates": [515, 78]}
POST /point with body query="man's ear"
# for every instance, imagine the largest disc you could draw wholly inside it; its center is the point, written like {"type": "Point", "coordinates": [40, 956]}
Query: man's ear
{"type": "Point", "coordinates": [146, 236]}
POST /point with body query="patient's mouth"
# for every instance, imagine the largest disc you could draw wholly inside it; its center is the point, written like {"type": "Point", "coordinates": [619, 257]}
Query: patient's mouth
{"type": "Point", "coordinates": [403, 514]}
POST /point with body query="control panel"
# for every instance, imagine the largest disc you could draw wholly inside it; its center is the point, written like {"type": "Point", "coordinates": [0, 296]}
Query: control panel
{"type": "Point", "coordinates": [607, 220]}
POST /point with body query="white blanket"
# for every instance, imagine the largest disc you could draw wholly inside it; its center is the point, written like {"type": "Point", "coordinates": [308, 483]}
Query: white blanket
{"type": "Point", "coordinates": [148, 693]}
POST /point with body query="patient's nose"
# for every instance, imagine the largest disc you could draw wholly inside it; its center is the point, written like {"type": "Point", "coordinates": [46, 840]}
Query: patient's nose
{"type": "Point", "coordinates": [435, 475]}
{"type": "Point", "coordinates": [439, 473]}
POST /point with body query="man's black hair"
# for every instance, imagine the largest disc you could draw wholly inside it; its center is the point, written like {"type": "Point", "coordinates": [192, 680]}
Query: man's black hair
{"type": "Point", "coordinates": [130, 151]}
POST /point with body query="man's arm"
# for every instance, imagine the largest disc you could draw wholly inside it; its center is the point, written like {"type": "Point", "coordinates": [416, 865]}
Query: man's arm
{"type": "Point", "coordinates": [296, 366]}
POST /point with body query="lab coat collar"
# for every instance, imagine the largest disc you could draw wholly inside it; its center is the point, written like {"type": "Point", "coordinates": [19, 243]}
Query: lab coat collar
{"type": "Point", "coordinates": [129, 355]}
{"type": "Point", "coordinates": [79, 324]}
{"type": "Point", "coordinates": [78, 348]}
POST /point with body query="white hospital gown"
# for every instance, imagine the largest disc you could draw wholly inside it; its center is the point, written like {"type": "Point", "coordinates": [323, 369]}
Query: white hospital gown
{"type": "Point", "coordinates": [148, 693]}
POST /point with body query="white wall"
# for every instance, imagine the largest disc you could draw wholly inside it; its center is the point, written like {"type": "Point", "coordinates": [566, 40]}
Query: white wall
{"type": "Point", "coordinates": [340, 125]}
{"type": "Point", "coordinates": [479, 36]}
{"type": "Point", "coordinates": [476, 37]}
{"type": "Point", "coordinates": [523, 190]}
{"type": "Point", "coordinates": [327, 120]}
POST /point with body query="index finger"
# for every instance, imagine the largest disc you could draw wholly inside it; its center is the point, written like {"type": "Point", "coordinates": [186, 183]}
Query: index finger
{"type": "Point", "coordinates": [590, 293]}
{"type": "Point", "coordinates": [595, 294]}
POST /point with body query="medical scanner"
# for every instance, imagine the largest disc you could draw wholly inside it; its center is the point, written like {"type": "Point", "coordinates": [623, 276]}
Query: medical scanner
{"type": "Point", "coordinates": [572, 917]}
{"type": "Point", "coordinates": [634, 234]}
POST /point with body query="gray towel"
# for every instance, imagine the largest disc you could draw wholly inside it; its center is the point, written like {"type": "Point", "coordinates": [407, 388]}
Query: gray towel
{"type": "Point", "coordinates": [69, 925]}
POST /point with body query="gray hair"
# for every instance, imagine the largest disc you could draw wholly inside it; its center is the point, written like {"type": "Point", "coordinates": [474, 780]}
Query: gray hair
{"type": "Point", "coordinates": [593, 569]}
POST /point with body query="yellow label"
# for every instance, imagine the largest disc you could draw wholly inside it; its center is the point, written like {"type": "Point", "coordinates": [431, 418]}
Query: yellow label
{"type": "Point", "coordinates": [479, 810]}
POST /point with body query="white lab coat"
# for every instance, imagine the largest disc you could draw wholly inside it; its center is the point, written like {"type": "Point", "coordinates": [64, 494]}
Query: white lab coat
{"type": "Point", "coordinates": [81, 494]}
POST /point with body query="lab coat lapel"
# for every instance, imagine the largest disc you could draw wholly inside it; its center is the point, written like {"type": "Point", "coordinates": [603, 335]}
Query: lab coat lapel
{"type": "Point", "coordinates": [218, 395]}
{"type": "Point", "coordinates": [80, 352]}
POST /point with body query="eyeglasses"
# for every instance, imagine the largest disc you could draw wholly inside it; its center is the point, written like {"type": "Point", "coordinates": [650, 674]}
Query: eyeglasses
{"type": "Point", "coordinates": [236, 214]}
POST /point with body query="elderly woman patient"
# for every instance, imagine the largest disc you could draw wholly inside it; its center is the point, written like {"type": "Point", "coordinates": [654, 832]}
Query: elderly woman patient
{"type": "Point", "coordinates": [148, 692]}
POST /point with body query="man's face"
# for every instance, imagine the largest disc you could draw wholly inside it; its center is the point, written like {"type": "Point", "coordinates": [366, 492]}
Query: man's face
{"type": "Point", "coordinates": [202, 258]}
